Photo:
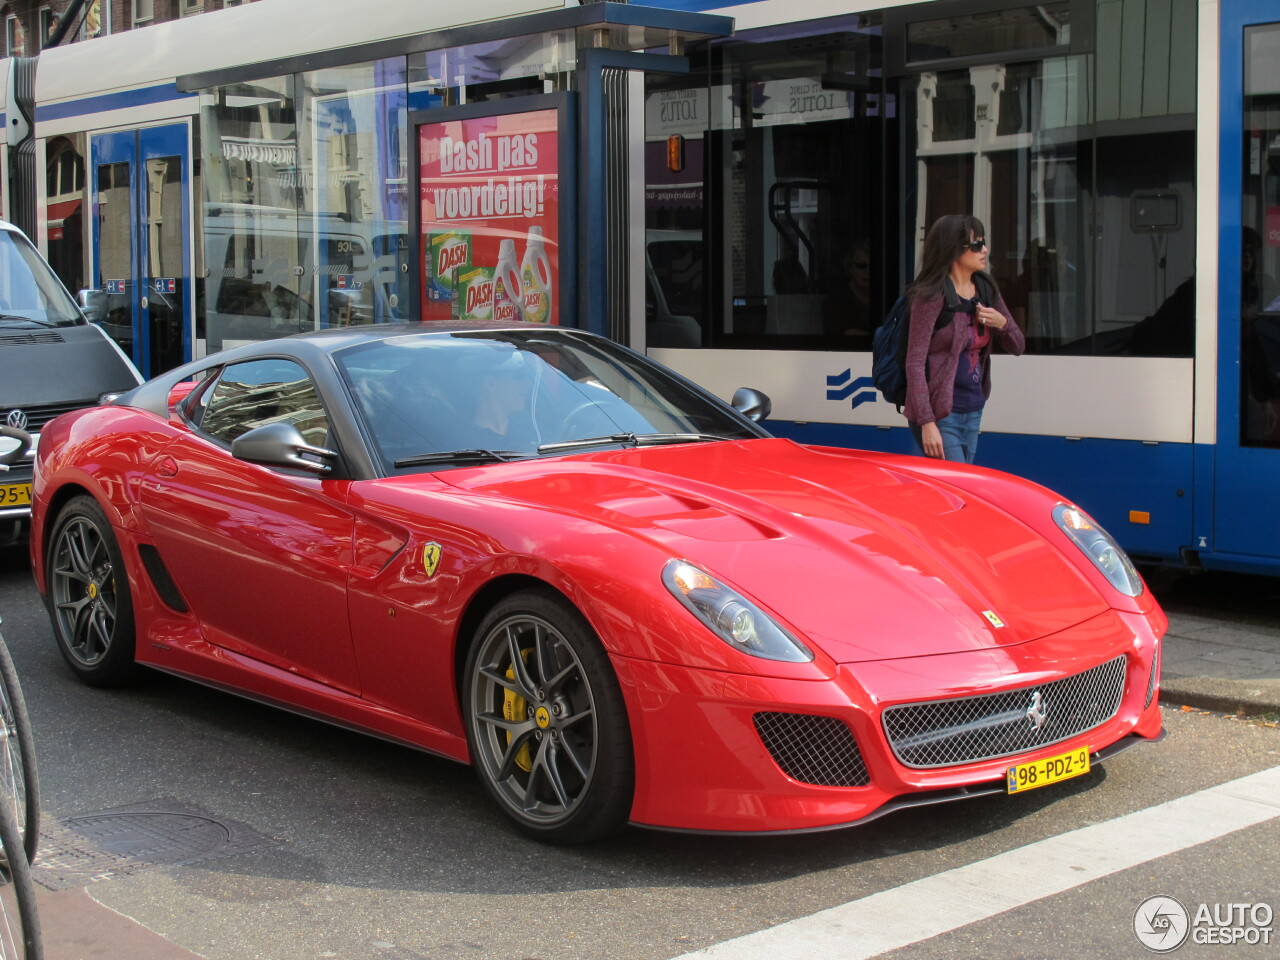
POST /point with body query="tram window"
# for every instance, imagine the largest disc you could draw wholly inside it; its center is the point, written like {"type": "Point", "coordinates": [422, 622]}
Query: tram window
{"type": "Point", "coordinates": [65, 198]}
{"type": "Point", "coordinates": [811, 160]}
{"type": "Point", "coordinates": [1045, 25]}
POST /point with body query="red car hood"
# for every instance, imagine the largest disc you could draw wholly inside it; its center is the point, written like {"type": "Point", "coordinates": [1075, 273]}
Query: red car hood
{"type": "Point", "coordinates": [865, 559]}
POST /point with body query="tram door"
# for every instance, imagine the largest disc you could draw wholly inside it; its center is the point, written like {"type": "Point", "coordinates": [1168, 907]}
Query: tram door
{"type": "Point", "coordinates": [1247, 468]}
{"type": "Point", "coordinates": [142, 243]}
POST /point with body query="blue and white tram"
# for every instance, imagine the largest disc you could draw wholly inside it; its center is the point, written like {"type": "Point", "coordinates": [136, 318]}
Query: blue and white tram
{"type": "Point", "coordinates": [1125, 157]}
{"type": "Point", "coordinates": [250, 173]}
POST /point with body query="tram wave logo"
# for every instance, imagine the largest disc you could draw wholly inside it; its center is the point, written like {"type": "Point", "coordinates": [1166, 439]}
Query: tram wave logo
{"type": "Point", "coordinates": [843, 386]}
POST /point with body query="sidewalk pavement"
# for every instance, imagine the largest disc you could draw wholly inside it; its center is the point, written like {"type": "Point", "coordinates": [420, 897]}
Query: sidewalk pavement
{"type": "Point", "coordinates": [1227, 667]}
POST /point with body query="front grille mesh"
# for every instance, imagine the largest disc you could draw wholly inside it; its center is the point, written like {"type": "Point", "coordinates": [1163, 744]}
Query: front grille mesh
{"type": "Point", "coordinates": [945, 732]}
{"type": "Point", "coordinates": [817, 750]}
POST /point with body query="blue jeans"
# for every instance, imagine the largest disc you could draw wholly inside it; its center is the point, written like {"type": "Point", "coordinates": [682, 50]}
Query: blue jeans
{"type": "Point", "coordinates": [959, 436]}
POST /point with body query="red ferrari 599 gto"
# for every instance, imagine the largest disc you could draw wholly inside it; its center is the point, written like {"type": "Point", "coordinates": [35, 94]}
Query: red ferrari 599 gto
{"type": "Point", "coordinates": [620, 599]}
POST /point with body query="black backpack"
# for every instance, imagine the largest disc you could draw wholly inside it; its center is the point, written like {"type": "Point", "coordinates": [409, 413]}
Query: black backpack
{"type": "Point", "coordinates": [889, 343]}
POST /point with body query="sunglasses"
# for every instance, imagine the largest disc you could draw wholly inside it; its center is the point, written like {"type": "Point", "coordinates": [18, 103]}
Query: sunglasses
{"type": "Point", "coordinates": [976, 246]}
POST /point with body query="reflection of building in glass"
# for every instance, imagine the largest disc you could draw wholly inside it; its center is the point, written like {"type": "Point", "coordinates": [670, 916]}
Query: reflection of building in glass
{"type": "Point", "coordinates": [237, 408]}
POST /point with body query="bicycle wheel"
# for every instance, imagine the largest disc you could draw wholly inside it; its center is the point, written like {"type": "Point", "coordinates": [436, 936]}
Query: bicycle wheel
{"type": "Point", "coordinates": [19, 920]}
{"type": "Point", "coordinates": [18, 755]}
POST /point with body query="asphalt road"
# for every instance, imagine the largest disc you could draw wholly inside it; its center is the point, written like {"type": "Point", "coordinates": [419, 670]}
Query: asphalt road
{"type": "Point", "coordinates": [352, 848]}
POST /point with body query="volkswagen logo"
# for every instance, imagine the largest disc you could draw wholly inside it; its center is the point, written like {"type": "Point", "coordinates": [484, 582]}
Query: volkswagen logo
{"type": "Point", "coordinates": [1036, 713]}
{"type": "Point", "coordinates": [16, 419]}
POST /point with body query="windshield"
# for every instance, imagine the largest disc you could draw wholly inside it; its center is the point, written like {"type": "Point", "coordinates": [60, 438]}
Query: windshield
{"type": "Point", "coordinates": [29, 291]}
{"type": "Point", "coordinates": [502, 395]}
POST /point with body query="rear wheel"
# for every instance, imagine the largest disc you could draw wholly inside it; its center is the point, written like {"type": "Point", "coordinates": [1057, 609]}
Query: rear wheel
{"type": "Point", "coordinates": [89, 599]}
{"type": "Point", "coordinates": [546, 722]}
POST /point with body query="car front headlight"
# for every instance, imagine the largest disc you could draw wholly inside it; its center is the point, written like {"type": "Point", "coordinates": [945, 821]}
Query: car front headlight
{"type": "Point", "coordinates": [731, 616]}
{"type": "Point", "coordinates": [1097, 545]}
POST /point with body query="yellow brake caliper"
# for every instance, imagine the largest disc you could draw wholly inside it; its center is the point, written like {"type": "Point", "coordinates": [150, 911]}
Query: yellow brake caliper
{"type": "Point", "coordinates": [515, 709]}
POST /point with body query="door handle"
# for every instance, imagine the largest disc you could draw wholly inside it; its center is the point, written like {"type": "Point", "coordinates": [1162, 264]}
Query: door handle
{"type": "Point", "coordinates": [167, 468]}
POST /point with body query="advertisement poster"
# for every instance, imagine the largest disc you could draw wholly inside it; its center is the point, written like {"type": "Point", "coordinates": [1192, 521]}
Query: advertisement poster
{"type": "Point", "coordinates": [491, 217]}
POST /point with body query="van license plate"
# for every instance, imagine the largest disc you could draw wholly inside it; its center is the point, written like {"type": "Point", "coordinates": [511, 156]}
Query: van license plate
{"type": "Point", "coordinates": [1041, 773]}
{"type": "Point", "coordinates": [15, 495]}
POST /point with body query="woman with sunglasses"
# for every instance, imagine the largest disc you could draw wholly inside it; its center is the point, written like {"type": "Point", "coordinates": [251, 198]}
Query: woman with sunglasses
{"type": "Point", "coordinates": [949, 357]}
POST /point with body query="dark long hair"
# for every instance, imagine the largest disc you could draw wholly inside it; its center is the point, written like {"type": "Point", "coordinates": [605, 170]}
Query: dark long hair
{"type": "Point", "coordinates": [943, 245]}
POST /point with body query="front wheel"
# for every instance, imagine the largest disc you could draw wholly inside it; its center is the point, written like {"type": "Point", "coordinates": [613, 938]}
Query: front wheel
{"type": "Point", "coordinates": [19, 918]}
{"type": "Point", "coordinates": [89, 599]}
{"type": "Point", "coordinates": [18, 756]}
{"type": "Point", "coordinates": [546, 722]}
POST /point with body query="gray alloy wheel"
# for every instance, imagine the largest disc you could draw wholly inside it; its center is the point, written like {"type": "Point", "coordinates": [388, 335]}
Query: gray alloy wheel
{"type": "Point", "coordinates": [546, 722]}
{"type": "Point", "coordinates": [89, 599]}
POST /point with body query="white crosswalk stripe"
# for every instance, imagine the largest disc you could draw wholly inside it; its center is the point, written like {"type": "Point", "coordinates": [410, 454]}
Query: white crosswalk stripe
{"type": "Point", "coordinates": [946, 901]}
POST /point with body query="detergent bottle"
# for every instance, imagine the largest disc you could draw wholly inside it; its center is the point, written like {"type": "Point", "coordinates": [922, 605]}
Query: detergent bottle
{"type": "Point", "coordinates": [535, 278]}
{"type": "Point", "coordinates": [507, 299]}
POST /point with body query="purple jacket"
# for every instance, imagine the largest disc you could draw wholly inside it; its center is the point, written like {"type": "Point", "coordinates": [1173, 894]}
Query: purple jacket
{"type": "Point", "coordinates": [932, 358]}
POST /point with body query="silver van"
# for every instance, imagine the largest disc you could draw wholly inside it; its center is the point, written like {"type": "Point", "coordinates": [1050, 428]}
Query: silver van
{"type": "Point", "coordinates": [51, 360]}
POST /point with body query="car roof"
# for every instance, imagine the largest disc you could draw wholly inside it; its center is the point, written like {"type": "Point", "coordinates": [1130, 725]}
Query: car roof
{"type": "Point", "coordinates": [313, 348]}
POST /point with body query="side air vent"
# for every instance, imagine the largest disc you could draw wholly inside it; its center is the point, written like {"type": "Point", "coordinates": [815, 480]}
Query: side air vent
{"type": "Point", "coordinates": [1154, 679]}
{"type": "Point", "coordinates": [817, 750]}
{"type": "Point", "coordinates": [160, 578]}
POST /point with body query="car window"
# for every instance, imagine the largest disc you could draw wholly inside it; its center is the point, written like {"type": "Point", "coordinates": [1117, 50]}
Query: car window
{"type": "Point", "coordinates": [29, 290]}
{"type": "Point", "coordinates": [515, 392]}
{"type": "Point", "coordinates": [256, 393]}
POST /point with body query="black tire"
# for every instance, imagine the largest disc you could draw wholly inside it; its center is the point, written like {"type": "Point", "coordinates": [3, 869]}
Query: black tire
{"type": "Point", "coordinates": [18, 771]}
{"type": "Point", "coordinates": [546, 722]}
{"type": "Point", "coordinates": [19, 920]}
{"type": "Point", "coordinates": [88, 596]}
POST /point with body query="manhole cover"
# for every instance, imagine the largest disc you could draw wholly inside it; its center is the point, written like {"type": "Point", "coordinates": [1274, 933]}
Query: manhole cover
{"type": "Point", "coordinates": [90, 847]}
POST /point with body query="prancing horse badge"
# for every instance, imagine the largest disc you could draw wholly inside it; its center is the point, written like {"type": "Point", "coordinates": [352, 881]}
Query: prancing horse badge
{"type": "Point", "coordinates": [431, 558]}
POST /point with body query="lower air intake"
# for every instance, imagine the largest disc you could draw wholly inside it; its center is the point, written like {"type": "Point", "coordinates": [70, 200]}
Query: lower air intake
{"type": "Point", "coordinates": [817, 750]}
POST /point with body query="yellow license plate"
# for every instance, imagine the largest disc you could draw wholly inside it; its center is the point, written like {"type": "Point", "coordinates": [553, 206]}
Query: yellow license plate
{"type": "Point", "coordinates": [15, 495]}
{"type": "Point", "coordinates": [1041, 773]}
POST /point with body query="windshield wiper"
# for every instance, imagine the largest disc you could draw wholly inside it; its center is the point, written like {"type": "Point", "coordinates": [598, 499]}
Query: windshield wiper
{"type": "Point", "coordinates": [5, 317]}
{"type": "Point", "coordinates": [461, 456]}
{"type": "Point", "coordinates": [634, 439]}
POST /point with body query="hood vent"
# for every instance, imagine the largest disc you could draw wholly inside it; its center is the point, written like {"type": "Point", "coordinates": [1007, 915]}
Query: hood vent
{"type": "Point", "coordinates": [22, 339]}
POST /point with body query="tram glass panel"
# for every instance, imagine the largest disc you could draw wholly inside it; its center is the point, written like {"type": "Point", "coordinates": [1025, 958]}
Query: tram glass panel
{"type": "Point", "coordinates": [1260, 245]}
{"type": "Point", "coordinates": [163, 221]}
{"type": "Point", "coordinates": [115, 250]}
{"type": "Point", "coordinates": [65, 199]}
{"type": "Point", "coordinates": [254, 249]}
{"type": "Point", "coordinates": [353, 133]}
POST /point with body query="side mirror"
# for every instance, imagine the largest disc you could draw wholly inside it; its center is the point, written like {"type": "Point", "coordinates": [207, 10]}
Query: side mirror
{"type": "Point", "coordinates": [93, 304]}
{"type": "Point", "coordinates": [752, 404]}
{"type": "Point", "coordinates": [282, 445]}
